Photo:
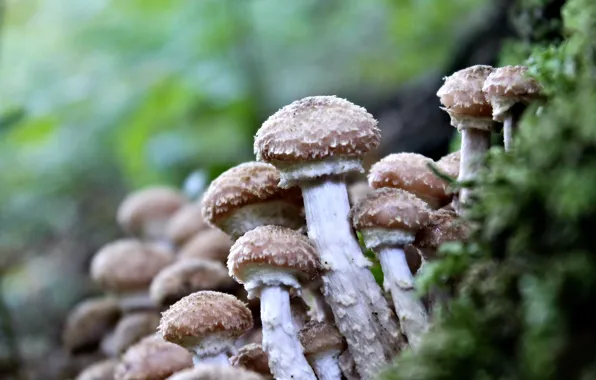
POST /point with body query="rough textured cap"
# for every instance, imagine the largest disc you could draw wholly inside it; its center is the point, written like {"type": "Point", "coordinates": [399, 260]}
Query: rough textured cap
{"type": "Point", "coordinates": [358, 190]}
{"type": "Point", "coordinates": [88, 322]}
{"type": "Point", "coordinates": [317, 337]}
{"type": "Point", "coordinates": [243, 185]}
{"type": "Point", "coordinates": [188, 276]}
{"type": "Point", "coordinates": [443, 226]}
{"type": "Point", "coordinates": [410, 172]}
{"type": "Point", "coordinates": [449, 164]}
{"type": "Point", "coordinates": [315, 129]}
{"type": "Point", "coordinates": [185, 223]}
{"type": "Point", "coordinates": [129, 330]}
{"type": "Point", "coordinates": [152, 359]}
{"type": "Point", "coordinates": [211, 244]}
{"type": "Point", "coordinates": [194, 317]}
{"type": "Point", "coordinates": [253, 358]}
{"type": "Point", "coordinates": [280, 248]}
{"type": "Point", "coordinates": [140, 209]}
{"type": "Point", "coordinates": [215, 372]}
{"type": "Point", "coordinates": [103, 370]}
{"type": "Point", "coordinates": [128, 265]}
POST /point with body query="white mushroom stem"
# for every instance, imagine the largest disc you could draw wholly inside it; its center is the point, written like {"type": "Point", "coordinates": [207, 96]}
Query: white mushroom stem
{"type": "Point", "coordinates": [135, 301]}
{"type": "Point", "coordinates": [280, 340]}
{"type": "Point", "coordinates": [361, 313]}
{"type": "Point", "coordinates": [474, 145]}
{"type": "Point", "coordinates": [347, 366]}
{"type": "Point", "coordinates": [398, 280]}
{"type": "Point", "coordinates": [213, 349]}
{"type": "Point", "coordinates": [326, 365]}
{"type": "Point", "coordinates": [322, 311]}
{"type": "Point", "coordinates": [509, 126]}
{"type": "Point", "coordinates": [218, 359]}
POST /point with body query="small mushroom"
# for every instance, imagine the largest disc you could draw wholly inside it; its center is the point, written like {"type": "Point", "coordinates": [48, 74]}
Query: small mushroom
{"type": "Point", "coordinates": [449, 164]}
{"type": "Point", "coordinates": [323, 344]}
{"type": "Point", "coordinates": [130, 329]}
{"type": "Point", "coordinates": [443, 226]}
{"type": "Point", "coordinates": [207, 324]}
{"type": "Point", "coordinates": [215, 372]}
{"type": "Point", "coordinates": [388, 220]}
{"type": "Point", "coordinates": [152, 359]}
{"type": "Point", "coordinates": [103, 370]}
{"type": "Point", "coordinates": [253, 358]}
{"type": "Point", "coordinates": [509, 90]}
{"type": "Point", "coordinates": [126, 268]}
{"type": "Point", "coordinates": [210, 244]}
{"type": "Point", "coordinates": [271, 262]}
{"type": "Point", "coordinates": [185, 223]}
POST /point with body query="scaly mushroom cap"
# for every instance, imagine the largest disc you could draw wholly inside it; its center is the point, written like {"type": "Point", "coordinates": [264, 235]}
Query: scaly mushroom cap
{"type": "Point", "coordinates": [273, 247]}
{"type": "Point", "coordinates": [317, 337]}
{"type": "Point", "coordinates": [185, 223]}
{"type": "Point", "coordinates": [198, 315]}
{"type": "Point", "coordinates": [152, 359]}
{"type": "Point", "coordinates": [449, 164]}
{"type": "Point", "coordinates": [253, 358]}
{"type": "Point", "coordinates": [88, 322]}
{"type": "Point", "coordinates": [103, 370]}
{"type": "Point", "coordinates": [316, 129]}
{"type": "Point", "coordinates": [211, 244]}
{"type": "Point", "coordinates": [410, 172]}
{"type": "Point", "coordinates": [246, 184]}
{"type": "Point", "coordinates": [128, 265]}
{"type": "Point", "coordinates": [443, 226]}
{"type": "Point", "coordinates": [129, 330]}
{"type": "Point", "coordinates": [188, 276]}
{"type": "Point", "coordinates": [215, 372]}
{"type": "Point", "coordinates": [147, 205]}
{"type": "Point", "coordinates": [358, 190]}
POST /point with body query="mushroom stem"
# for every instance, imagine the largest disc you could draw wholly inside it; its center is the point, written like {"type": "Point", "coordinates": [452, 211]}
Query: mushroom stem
{"type": "Point", "coordinates": [510, 124]}
{"type": "Point", "coordinates": [219, 359]}
{"type": "Point", "coordinates": [399, 281]}
{"type": "Point", "coordinates": [323, 312]}
{"type": "Point", "coordinates": [361, 312]}
{"type": "Point", "coordinates": [474, 145]}
{"type": "Point", "coordinates": [135, 301]}
{"type": "Point", "coordinates": [326, 365]}
{"type": "Point", "coordinates": [280, 340]}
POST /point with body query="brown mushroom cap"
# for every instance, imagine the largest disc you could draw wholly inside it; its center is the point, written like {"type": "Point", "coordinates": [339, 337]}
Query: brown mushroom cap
{"type": "Point", "coordinates": [215, 372]}
{"type": "Point", "coordinates": [88, 322]}
{"type": "Point", "coordinates": [185, 223]}
{"type": "Point", "coordinates": [129, 330]}
{"type": "Point", "coordinates": [462, 94]}
{"type": "Point", "coordinates": [211, 244]}
{"type": "Point", "coordinates": [512, 81]}
{"type": "Point", "coordinates": [152, 359]}
{"type": "Point", "coordinates": [410, 172]}
{"type": "Point", "coordinates": [103, 370]}
{"type": "Point", "coordinates": [315, 129]}
{"type": "Point", "coordinates": [253, 358]}
{"type": "Point", "coordinates": [443, 226]}
{"type": "Point", "coordinates": [273, 247]}
{"type": "Point", "coordinates": [449, 164]}
{"type": "Point", "coordinates": [246, 184]}
{"type": "Point", "coordinates": [128, 265]}
{"type": "Point", "coordinates": [188, 276]}
{"type": "Point", "coordinates": [198, 315]}
{"type": "Point", "coordinates": [317, 337]}
{"type": "Point", "coordinates": [147, 205]}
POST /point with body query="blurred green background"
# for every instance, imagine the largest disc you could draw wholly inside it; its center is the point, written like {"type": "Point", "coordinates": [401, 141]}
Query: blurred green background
{"type": "Point", "coordinates": [100, 97]}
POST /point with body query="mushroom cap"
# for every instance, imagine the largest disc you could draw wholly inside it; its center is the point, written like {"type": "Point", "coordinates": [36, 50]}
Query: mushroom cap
{"type": "Point", "coordinates": [443, 226]}
{"type": "Point", "coordinates": [153, 203]}
{"type": "Point", "coordinates": [128, 265]}
{"type": "Point", "coordinates": [185, 223]}
{"type": "Point", "coordinates": [390, 208]}
{"type": "Point", "coordinates": [103, 370]}
{"type": "Point", "coordinates": [89, 322]}
{"type": "Point", "coordinates": [198, 315]}
{"type": "Point", "coordinates": [215, 372]}
{"type": "Point", "coordinates": [449, 164]}
{"type": "Point", "coordinates": [461, 94]}
{"type": "Point", "coordinates": [130, 329]}
{"type": "Point", "coordinates": [358, 190]}
{"type": "Point", "coordinates": [273, 247]}
{"type": "Point", "coordinates": [188, 276]}
{"type": "Point", "coordinates": [317, 337]}
{"type": "Point", "coordinates": [243, 185]}
{"type": "Point", "coordinates": [253, 358]}
{"type": "Point", "coordinates": [512, 81]}
{"type": "Point", "coordinates": [152, 359]}
{"type": "Point", "coordinates": [211, 244]}
{"type": "Point", "coordinates": [410, 172]}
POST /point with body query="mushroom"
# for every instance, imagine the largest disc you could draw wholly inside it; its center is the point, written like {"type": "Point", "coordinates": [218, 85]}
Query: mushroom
{"type": "Point", "coordinates": [103, 370]}
{"type": "Point", "coordinates": [358, 190]}
{"type": "Point", "coordinates": [215, 372]}
{"type": "Point", "coordinates": [510, 90]}
{"type": "Point", "coordinates": [449, 164]}
{"type": "Point", "coordinates": [130, 329]}
{"type": "Point", "coordinates": [347, 366]}
{"type": "Point", "coordinates": [185, 224]}
{"type": "Point", "coordinates": [272, 262]}
{"type": "Point", "coordinates": [89, 322]}
{"type": "Point", "coordinates": [314, 143]}
{"type": "Point", "coordinates": [188, 276]}
{"type": "Point", "coordinates": [323, 344]}
{"type": "Point", "coordinates": [210, 244]}
{"type": "Point", "coordinates": [410, 172]}
{"type": "Point", "coordinates": [443, 226]}
{"type": "Point", "coordinates": [146, 212]}
{"type": "Point", "coordinates": [388, 220]}
{"type": "Point", "coordinates": [206, 323]}
{"type": "Point", "coordinates": [247, 196]}
{"type": "Point", "coordinates": [471, 114]}
{"type": "Point", "coordinates": [253, 358]}
{"type": "Point", "coordinates": [152, 359]}
{"type": "Point", "coordinates": [126, 268]}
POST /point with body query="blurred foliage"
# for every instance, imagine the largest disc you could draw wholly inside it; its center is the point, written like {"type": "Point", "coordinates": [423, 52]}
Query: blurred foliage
{"type": "Point", "coordinates": [527, 277]}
